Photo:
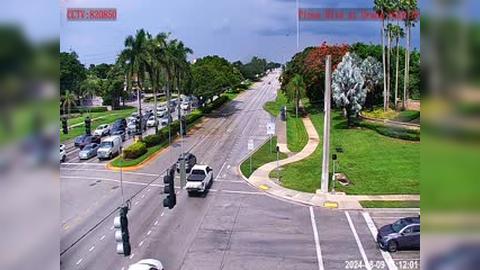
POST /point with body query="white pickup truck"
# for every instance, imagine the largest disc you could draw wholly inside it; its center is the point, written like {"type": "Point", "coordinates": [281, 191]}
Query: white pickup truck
{"type": "Point", "coordinates": [199, 180]}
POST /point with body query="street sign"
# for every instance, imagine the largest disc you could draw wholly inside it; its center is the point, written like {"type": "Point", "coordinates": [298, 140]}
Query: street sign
{"type": "Point", "coordinates": [271, 128]}
{"type": "Point", "coordinates": [251, 146]}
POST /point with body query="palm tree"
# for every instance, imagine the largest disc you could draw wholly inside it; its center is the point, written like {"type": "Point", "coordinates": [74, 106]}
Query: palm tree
{"type": "Point", "coordinates": [134, 55]}
{"type": "Point", "coordinates": [296, 91]}
{"type": "Point", "coordinates": [398, 33]}
{"type": "Point", "coordinates": [408, 7]}
{"type": "Point", "coordinates": [383, 9]}
{"type": "Point", "coordinates": [69, 99]}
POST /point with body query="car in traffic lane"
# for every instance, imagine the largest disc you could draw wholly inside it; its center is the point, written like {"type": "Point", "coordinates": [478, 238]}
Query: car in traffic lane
{"type": "Point", "coordinates": [190, 161]}
{"type": "Point", "coordinates": [403, 234]}
{"type": "Point", "coordinates": [83, 140]}
{"type": "Point", "coordinates": [199, 180]}
{"type": "Point", "coordinates": [102, 130]}
{"type": "Point", "coordinates": [89, 151]}
{"type": "Point", "coordinates": [110, 147]}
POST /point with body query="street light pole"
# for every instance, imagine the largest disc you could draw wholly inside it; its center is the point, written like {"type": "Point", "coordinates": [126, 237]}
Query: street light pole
{"type": "Point", "coordinates": [326, 127]}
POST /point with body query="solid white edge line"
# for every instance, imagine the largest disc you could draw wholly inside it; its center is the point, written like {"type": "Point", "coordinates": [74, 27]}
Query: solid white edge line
{"type": "Point", "coordinates": [373, 229]}
{"type": "Point", "coordinates": [359, 244]}
{"type": "Point", "coordinates": [317, 241]}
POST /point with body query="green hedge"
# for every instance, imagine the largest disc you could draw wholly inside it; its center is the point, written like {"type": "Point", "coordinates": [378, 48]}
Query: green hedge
{"type": "Point", "coordinates": [135, 150]}
{"type": "Point", "coordinates": [399, 133]}
{"type": "Point", "coordinates": [153, 140]}
{"type": "Point", "coordinates": [86, 109]}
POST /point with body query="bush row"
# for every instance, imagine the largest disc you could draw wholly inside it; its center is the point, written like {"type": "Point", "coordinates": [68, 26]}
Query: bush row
{"type": "Point", "coordinates": [85, 110]}
{"type": "Point", "coordinates": [399, 133]}
{"type": "Point", "coordinates": [135, 150]}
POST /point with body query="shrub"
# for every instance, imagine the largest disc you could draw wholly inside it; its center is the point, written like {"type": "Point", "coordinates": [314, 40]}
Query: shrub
{"type": "Point", "coordinates": [153, 140]}
{"type": "Point", "coordinates": [135, 150]}
{"type": "Point", "coordinates": [85, 110]}
{"type": "Point", "coordinates": [399, 133]}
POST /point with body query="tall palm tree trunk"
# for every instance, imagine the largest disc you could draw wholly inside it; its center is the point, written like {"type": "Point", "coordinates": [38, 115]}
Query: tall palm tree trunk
{"type": "Point", "coordinates": [140, 108]}
{"type": "Point", "coordinates": [389, 58]}
{"type": "Point", "coordinates": [384, 67]}
{"type": "Point", "coordinates": [407, 70]}
{"type": "Point", "coordinates": [397, 66]}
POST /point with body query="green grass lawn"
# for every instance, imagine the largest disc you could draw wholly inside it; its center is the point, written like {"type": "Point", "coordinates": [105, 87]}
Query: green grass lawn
{"type": "Point", "coordinates": [262, 156]}
{"type": "Point", "coordinates": [108, 118]}
{"type": "Point", "coordinates": [374, 163]}
{"type": "Point", "coordinates": [390, 204]}
{"type": "Point", "coordinates": [297, 136]}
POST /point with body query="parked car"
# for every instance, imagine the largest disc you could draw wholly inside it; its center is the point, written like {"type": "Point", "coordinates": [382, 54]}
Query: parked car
{"type": "Point", "coordinates": [161, 114]}
{"type": "Point", "coordinates": [199, 180]}
{"type": "Point", "coordinates": [185, 106]}
{"type": "Point", "coordinates": [190, 161]}
{"type": "Point", "coordinates": [152, 121]}
{"type": "Point", "coordinates": [110, 147]}
{"type": "Point", "coordinates": [120, 133]}
{"type": "Point", "coordinates": [147, 264]}
{"type": "Point", "coordinates": [63, 154]}
{"type": "Point", "coordinates": [165, 120]}
{"type": "Point", "coordinates": [403, 234]}
{"type": "Point", "coordinates": [83, 140]}
{"type": "Point", "coordinates": [88, 151]}
{"type": "Point", "coordinates": [102, 130]}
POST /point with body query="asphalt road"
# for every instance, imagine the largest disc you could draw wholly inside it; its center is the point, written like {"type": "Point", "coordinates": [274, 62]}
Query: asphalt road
{"type": "Point", "coordinates": [233, 227]}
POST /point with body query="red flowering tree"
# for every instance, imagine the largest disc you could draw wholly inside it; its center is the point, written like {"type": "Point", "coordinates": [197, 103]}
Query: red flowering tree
{"type": "Point", "coordinates": [314, 67]}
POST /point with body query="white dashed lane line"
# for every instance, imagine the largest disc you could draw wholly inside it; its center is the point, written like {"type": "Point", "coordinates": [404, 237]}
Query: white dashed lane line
{"type": "Point", "coordinates": [79, 261]}
{"type": "Point", "coordinates": [91, 249]}
{"type": "Point", "coordinates": [103, 237]}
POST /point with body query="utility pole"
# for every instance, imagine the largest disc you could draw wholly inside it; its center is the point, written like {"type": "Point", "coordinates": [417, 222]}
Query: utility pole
{"type": "Point", "coordinates": [326, 125]}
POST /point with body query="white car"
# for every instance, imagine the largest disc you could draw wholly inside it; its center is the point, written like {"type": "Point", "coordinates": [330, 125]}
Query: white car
{"type": "Point", "coordinates": [151, 122]}
{"type": "Point", "coordinates": [102, 130]}
{"type": "Point", "coordinates": [185, 106]}
{"type": "Point", "coordinates": [63, 154]}
{"type": "Point", "coordinates": [199, 180]}
{"type": "Point", "coordinates": [147, 264]}
{"type": "Point", "coordinates": [162, 109]}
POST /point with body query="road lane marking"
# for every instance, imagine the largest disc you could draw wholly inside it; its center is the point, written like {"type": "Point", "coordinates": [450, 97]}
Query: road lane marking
{"type": "Point", "coordinates": [79, 261]}
{"type": "Point", "coordinates": [91, 249]}
{"type": "Point", "coordinates": [149, 232]}
{"type": "Point", "coordinates": [83, 163]}
{"type": "Point", "coordinates": [93, 170]}
{"type": "Point", "coordinates": [140, 244]}
{"type": "Point", "coordinates": [103, 237]}
{"type": "Point", "coordinates": [143, 196]}
{"type": "Point", "coordinates": [238, 192]}
{"type": "Point", "coordinates": [156, 222]}
{"type": "Point", "coordinates": [317, 241]}
{"type": "Point", "coordinates": [131, 256]}
{"type": "Point", "coordinates": [163, 213]}
{"type": "Point", "coordinates": [109, 180]}
{"type": "Point", "coordinates": [136, 202]}
{"type": "Point", "coordinates": [111, 228]}
{"type": "Point", "coordinates": [221, 168]}
{"type": "Point", "coordinates": [359, 244]}
{"type": "Point", "coordinates": [373, 229]}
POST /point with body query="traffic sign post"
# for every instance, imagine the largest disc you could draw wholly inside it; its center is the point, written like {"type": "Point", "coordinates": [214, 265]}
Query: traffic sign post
{"type": "Point", "coordinates": [251, 146]}
{"type": "Point", "coordinates": [271, 132]}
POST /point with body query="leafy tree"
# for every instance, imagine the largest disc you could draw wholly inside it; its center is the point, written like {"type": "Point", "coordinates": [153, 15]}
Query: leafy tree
{"type": "Point", "coordinates": [372, 73]}
{"type": "Point", "coordinates": [296, 91]}
{"type": "Point", "coordinates": [112, 89]}
{"type": "Point", "coordinates": [72, 73]}
{"type": "Point", "coordinates": [348, 89]}
{"type": "Point", "coordinates": [212, 75]}
{"type": "Point", "coordinates": [69, 100]}
{"type": "Point", "coordinates": [100, 70]}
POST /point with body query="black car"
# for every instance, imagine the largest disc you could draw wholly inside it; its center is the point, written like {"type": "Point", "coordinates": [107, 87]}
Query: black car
{"type": "Point", "coordinates": [403, 234]}
{"type": "Point", "coordinates": [120, 133]}
{"type": "Point", "coordinates": [119, 124]}
{"type": "Point", "coordinates": [190, 161]}
{"type": "Point", "coordinates": [83, 140]}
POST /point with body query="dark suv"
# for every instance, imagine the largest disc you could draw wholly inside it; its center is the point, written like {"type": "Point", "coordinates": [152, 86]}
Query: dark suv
{"type": "Point", "coordinates": [403, 234]}
{"type": "Point", "coordinates": [83, 140]}
{"type": "Point", "coordinates": [190, 160]}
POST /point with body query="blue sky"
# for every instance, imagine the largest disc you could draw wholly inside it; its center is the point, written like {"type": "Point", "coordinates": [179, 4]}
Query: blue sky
{"type": "Point", "coordinates": [235, 29]}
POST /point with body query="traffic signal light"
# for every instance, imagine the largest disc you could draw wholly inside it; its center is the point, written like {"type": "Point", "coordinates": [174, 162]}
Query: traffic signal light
{"type": "Point", "coordinates": [122, 237]}
{"type": "Point", "coordinates": [169, 189]}
{"type": "Point", "coordinates": [183, 122]}
{"type": "Point", "coordinates": [138, 125]}
{"type": "Point", "coordinates": [88, 126]}
{"type": "Point", "coordinates": [64, 125]}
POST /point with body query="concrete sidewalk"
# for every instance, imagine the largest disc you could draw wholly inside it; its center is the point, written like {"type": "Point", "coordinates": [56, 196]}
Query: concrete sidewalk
{"type": "Point", "coordinates": [261, 180]}
{"type": "Point", "coordinates": [281, 132]}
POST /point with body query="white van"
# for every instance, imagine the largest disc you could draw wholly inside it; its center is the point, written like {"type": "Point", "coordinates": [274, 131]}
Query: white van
{"type": "Point", "coordinates": [110, 147]}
